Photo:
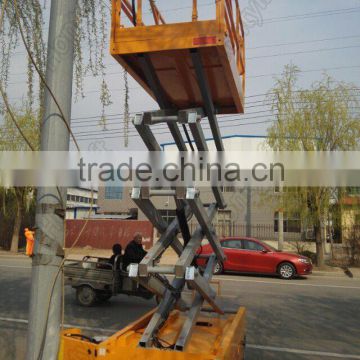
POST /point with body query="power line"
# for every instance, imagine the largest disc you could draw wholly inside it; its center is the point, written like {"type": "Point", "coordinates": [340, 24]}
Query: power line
{"type": "Point", "coordinates": [290, 53]}
{"type": "Point", "coordinates": [248, 77]}
{"type": "Point", "coordinates": [312, 70]}
{"type": "Point", "coordinates": [311, 15]}
{"type": "Point", "coordinates": [220, 119]}
{"type": "Point", "coordinates": [95, 91]}
{"type": "Point", "coordinates": [167, 133]}
{"type": "Point", "coordinates": [251, 77]}
{"type": "Point", "coordinates": [98, 117]}
{"type": "Point", "coordinates": [261, 103]}
{"type": "Point", "coordinates": [249, 48]}
{"type": "Point", "coordinates": [303, 42]}
{"type": "Point", "coordinates": [303, 52]}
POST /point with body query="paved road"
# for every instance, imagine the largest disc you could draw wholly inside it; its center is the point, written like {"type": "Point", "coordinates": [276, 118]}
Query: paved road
{"type": "Point", "coordinates": [314, 318]}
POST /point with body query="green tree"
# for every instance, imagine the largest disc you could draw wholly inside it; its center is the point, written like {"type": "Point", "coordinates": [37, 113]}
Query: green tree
{"type": "Point", "coordinates": [321, 118]}
{"type": "Point", "coordinates": [18, 199]}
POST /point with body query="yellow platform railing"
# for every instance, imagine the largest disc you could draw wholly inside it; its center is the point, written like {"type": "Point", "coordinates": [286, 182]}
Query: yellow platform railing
{"type": "Point", "coordinates": [228, 17]}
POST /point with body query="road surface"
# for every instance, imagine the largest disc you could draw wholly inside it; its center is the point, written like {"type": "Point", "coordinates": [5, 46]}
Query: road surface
{"type": "Point", "coordinates": [304, 319]}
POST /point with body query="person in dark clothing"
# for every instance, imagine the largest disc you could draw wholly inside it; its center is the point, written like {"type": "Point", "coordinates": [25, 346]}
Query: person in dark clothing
{"type": "Point", "coordinates": [134, 252]}
{"type": "Point", "coordinates": [117, 250]}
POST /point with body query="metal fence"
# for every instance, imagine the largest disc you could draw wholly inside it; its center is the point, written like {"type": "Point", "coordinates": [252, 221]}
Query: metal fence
{"type": "Point", "coordinates": [350, 234]}
{"type": "Point", "coordinates": [259, 231]}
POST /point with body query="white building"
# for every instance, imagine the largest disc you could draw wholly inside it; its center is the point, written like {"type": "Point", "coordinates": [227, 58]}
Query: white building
{"type": "Point", "coordinates": [79, 203]}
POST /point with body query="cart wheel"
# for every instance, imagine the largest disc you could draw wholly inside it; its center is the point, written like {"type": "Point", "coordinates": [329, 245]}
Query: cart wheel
{"type": "Point", "coordinates": [103, 296]}
{"type": "Point", "coordinates": [86, 295]}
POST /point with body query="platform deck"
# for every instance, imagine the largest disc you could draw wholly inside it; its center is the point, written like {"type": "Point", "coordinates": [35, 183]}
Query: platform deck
{"type": "Point", "coordinates": [168, 48]}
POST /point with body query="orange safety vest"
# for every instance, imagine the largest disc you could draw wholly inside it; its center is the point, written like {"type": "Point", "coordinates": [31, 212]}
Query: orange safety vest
{"type": "Point", "coordinates": [29, 235]}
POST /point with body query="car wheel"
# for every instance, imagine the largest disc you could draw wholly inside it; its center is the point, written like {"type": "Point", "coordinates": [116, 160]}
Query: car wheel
{"type": "Point", "coordinates": [287, 271]}
{"type": "Point", "coordinates": [86, 296]}
{"type": "Point", "coordinates": [218, 268]}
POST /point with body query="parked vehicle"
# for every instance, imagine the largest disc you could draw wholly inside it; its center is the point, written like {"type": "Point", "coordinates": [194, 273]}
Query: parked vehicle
{"type": "Point", "coordinates": [96, 280]}
{"type": "Point", "coordinates": [248, 255]}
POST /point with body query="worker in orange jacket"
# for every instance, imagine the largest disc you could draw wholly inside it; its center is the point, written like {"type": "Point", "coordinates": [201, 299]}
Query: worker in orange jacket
{"type": "Point", "coordinates": [29, 235]}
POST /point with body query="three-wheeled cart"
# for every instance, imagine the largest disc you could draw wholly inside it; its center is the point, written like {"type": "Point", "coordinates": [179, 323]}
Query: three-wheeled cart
{"type": "Point", "coordinates": [96, 280]}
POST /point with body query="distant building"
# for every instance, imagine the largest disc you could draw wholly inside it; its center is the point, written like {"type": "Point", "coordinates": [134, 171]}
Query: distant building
{"type": "Point", "coordinates": [81, 203]}
{"type": "Point", "coordinates": [250, 211]}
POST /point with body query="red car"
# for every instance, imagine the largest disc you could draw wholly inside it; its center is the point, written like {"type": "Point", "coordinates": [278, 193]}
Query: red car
{"type": "Point", "coordinates": [248, 255]}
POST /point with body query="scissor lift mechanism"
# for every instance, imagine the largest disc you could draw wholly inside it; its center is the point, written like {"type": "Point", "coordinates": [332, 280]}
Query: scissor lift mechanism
{"type": "Point", "coordinates": [187, 202]}
{"type": "Point", "coordinates": [139, 57]}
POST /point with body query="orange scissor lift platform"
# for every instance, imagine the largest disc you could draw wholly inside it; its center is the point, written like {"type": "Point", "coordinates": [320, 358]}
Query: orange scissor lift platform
{"type": "Point", "coordinates": [169, 50]}
{"type": "Point", "coordinates": [213, 338]}
{"type": "Point", "coordinates": [192, 69]}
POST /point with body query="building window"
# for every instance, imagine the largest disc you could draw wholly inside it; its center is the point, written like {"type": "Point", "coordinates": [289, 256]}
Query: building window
{"type": "Point", "coordinates": [354, 191]}
{"type": "Point", "coordinates": [228, 189]}
{"type": "Point", "coordinates": [292, 224]}
{"type": "Point", "coordinates": [168, 215]}
{"type": "Point", "coordinates": [113, 192]}
{"type": "Point", "coordinates": [68, 197]}
{"type": "Point", "coordinates": [223, 224]}
{"type": "Point", "coordinates": [223, 216]}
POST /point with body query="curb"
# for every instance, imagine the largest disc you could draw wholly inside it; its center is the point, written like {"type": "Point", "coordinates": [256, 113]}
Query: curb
{"type": "Point", "coordinates": [20, 255]}
{"type": "Point", "coordinates": [324, 273]}
{"type": "Point", "coordinates": [355, 274]}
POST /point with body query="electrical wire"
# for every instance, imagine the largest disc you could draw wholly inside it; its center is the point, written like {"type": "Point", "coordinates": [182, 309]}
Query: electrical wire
{"type": "Point", "coordinates": [89, 119]}
{"type": "Point", "coordinates": [312, 15]}
{"type": "Point", "coordinates": [167, 133]}
{"type": "Point", "coordinates": [304, 52]}
{"type": "Point", "coordinates": [223, 119]}
{"type": "Point", "coordinates": [345, 37]}
{"type": "Point", "coordinates": [303, 42]}
{"type": "Point", "coordinates": [119, 118]}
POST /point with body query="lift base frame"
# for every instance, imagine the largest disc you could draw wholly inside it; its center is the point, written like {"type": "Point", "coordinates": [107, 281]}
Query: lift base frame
{"type": "Point", "coordinates": [215, 337]}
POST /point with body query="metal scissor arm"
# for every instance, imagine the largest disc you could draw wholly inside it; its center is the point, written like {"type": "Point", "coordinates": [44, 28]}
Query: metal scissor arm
{"type": "Point", "coordinates": [149, 273]}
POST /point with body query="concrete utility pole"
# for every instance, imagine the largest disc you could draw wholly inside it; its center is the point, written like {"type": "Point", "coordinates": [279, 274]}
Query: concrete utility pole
{"type": "Point", "coordinates": [45, 310]}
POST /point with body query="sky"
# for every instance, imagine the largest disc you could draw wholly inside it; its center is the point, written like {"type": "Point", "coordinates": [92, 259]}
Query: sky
{"type": "Point", "coordinates": [315, 35]}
